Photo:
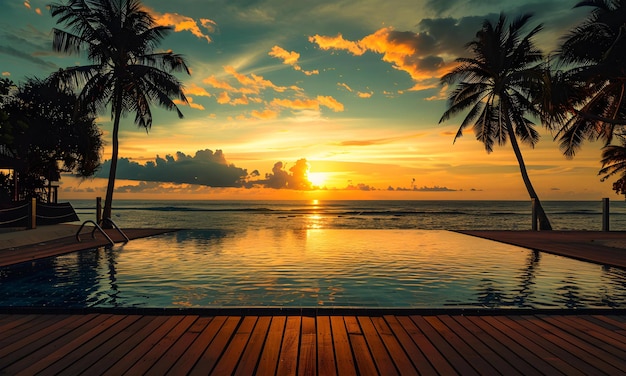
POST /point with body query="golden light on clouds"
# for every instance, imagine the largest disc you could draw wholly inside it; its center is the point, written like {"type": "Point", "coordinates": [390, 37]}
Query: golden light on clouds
{"type": "Point", "coordinates": [290, 58]}
{"type": "Point", "coordinates": [405, 51]}
{"type": "Point", "coordinates": [184, 23]}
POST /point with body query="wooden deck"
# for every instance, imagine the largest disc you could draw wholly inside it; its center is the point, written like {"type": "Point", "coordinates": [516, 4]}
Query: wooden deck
{"type": "Point", "coordinates": [101, 343]}
{"type": "Point", "coordinates": [607, 248]}
{"type": "Point", "coordinates": [68, 244]}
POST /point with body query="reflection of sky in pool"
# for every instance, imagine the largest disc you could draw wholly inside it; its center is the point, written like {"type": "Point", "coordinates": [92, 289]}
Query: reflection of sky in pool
{"type": "Point", "coordinates": [313, 268]}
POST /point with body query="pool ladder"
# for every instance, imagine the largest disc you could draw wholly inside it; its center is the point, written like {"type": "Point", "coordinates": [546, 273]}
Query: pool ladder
{"type": "Point", "coordinates": [97, 227]}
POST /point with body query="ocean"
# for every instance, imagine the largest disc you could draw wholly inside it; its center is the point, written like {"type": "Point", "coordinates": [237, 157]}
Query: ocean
{"type": "Point", "coordinates": [347, 214]}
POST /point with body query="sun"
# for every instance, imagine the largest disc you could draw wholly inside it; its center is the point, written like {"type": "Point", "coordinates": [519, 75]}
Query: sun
{"type": "Point", "coordinates": [318, 179]}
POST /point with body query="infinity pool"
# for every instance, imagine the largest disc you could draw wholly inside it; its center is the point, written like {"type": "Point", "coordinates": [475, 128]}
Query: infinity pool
{"type": "Point", "coordinates": [313, 268]}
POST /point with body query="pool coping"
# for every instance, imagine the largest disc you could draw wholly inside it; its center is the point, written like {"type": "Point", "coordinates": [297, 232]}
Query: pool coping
{"type": "Point", "coordinates": [312, 311]}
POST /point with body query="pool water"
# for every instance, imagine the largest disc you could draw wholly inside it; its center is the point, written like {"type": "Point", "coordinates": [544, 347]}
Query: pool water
{"type": "Point", "coordinates": [313, 268]}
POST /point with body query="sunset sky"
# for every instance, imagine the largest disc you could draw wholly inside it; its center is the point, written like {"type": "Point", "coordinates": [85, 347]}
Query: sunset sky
{"type": "Point", "coordinates": [349, 87]}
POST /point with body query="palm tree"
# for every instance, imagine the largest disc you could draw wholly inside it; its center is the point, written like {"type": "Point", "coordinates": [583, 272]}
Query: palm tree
{"type": "Point", "coordinates": [495, 85]}
{"type": "Point", "coordinates": [127, 73]}
{"type": "Point", "coordinates": [614, 162]}
{"type": "Point", "coordinates": [594, 57]}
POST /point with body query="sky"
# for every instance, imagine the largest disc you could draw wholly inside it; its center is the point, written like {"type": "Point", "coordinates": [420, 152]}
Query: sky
{"type": "Point", "coordinates": [325, 99]}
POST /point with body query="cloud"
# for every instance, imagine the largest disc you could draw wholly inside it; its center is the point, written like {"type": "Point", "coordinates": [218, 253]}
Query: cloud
{"type": "Point", "coordinates": [365, 95]}
{"type": "Point", "coordinates": [296, 178]}
{"type": "Point", "coordinates": [197, 91]}
{"type": "Point", "coordinates": [189, 103]}
{"type": "Point", "coordinates": [248, 89]}
{"type": "Point", "coordinates": [337, 43]}
{"type": "Point", "coordinates": [413, 53]}
{"type": "Point", "coordinates": [266, 114]}
{"type": "Point", "coordinates": [345, 86]}
{"type": "Point", "coordinates": [6, 74]}
{"type": "Point", "coordinates": [290, 58]}
{"type": "Point", "coordinates": [309, 104]}
{"type": "Point", "coordinates": [184, 23]}
{"type": "Point", "coordinates": [204, 168]}
{"type": "Point", "coordinates": [25, 56]}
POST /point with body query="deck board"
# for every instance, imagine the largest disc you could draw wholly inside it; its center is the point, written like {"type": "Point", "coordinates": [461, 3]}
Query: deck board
{"type": "Point", "coordinates": [99, 343]}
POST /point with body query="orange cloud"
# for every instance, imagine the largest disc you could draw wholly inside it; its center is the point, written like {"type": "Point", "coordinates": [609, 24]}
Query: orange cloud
{"type": "Point", "coordinates": [6, 74]}
{"type": "Point", "coordinates": [196, 90]}
{"type": "Point", "coordinates": [27, 4]}
{"type": "Point", "coordinates": [330, 102]}
{"type": "Point", "coordinates": [223, 98]}
{"type": "Point", "coordinates": [189, 103]}
{"type": "Point", "coordinates": [184, 23]}
{"type": "Point", "coordinates": [365, 95]}
{"type": "Point", "coordinates": [218, 84]}
{"type": "Point", "coordinates": [297, 104]}
{"type": "Point", "coordinates": [337, 43]}
{"type": "Point", "coordinates": [406, 51]}
{"type": "Point", "coordinates": [290, 58]}
{"type": "Point", "coordinates": [344, 86]}
{"type": "Point", "coordinates": [309, 104]}
{"type": "Point", "coordinates": [266, 114]}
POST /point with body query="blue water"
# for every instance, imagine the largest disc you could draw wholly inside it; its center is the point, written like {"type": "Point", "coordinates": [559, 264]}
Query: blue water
{"type": "Point", "coordinates": [273, 266]}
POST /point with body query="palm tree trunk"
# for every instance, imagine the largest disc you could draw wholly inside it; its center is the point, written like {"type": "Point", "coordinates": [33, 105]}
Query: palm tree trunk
{"type": "Point", "coordinates": [108, 202]}
{"type": "Point", "coordinates": [544, 223]}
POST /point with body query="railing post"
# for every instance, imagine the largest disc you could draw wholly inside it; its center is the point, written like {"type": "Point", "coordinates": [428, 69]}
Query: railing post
{"type": "Point", "coordinates": [534, 214]}
{"type": "Point", "coordinates": [98, 209]}
{"type": "Point", "coordinates": [605, 214]}
{"type": "Point", "coordinates": [33, 213]}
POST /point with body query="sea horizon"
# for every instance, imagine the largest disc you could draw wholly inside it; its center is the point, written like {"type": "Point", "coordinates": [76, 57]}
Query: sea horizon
{"type": "Point", "coordinates": [355, 214]}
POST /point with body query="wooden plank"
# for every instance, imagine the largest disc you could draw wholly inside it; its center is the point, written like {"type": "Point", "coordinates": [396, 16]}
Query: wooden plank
{"type": "Point", "coordinates": [511, 357]}
{"type": "Point", "coordinates": [397, 353]}
{"type": "Point", "coordinates": [209, 358]}
{"type": "Point", "coordinates": [433, 355]}
{"type": "Point", "coordinates": [122, 365]}
{"type": "Point", "coordinates": [547, 350]}
{"type": "Point", "coordinates": [252, 354]}
{"type": "Point", "coordinates": [271, 350]}
{"type": "Point", "coordinates": [343, 351]}
{"type": "Point", "coordinates": [588, 353]}
{"type": "Point", "coordinates": [325, 353]}
{"type": "Point", "coordinates": [161, 347]}
{"type": "Point", "coordinates": [448, 351]}
{"type": "Point", "coordinates": [76, 355]}
{"type": "Point", "coordinates": [418, 359]}
{"type": "Point", "coordinates": [461, 346]}
{"type": "Point", "coordinates": [40, 343]}
{"type": "Point", "coordinates": [186, 362]}
{"type": "Point", "coordinates": [109, 352]}
{"type": "Point", "coordinates": [384, 362]}
{"type": "Point", "coordinates": [15, 321]}
{"type": "Point", "coordinates": [166, 361]}
{"type": "Point", "coordinates": [597, 336]}
{"type": "Point", "coordinates": [516, 343]}
{"type": "Point", "coordinates": [61, 354]}
{"type": "Point", "coordinates": [288, 360]}
{"type": "Point", "coordinates": [20, 336]}
{"type": "Point", "coordinates": [497, 363]}
{"type": "Point", "coordinates": [14, 337]}
{"type": "Point", "coordinates": [232, 354]}
{"type": "Point", "coordinates": [122, 343]}
{"type": "Point", "coordinates": [362, 357]}
{"type": "Point", "coordinates": [307, 364]}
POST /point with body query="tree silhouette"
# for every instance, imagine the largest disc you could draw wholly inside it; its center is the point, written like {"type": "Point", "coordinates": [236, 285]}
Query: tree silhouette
{"type": "Point", "coordinates": [127, 74]}
{"type": "Point", "coordinates": [496, 86]}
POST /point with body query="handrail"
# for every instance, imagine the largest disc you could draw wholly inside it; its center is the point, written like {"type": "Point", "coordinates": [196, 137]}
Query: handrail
{"type": "Point", "coordinates": [117, 228]}
{"type": "Point", "coordinates": [93, 235]}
